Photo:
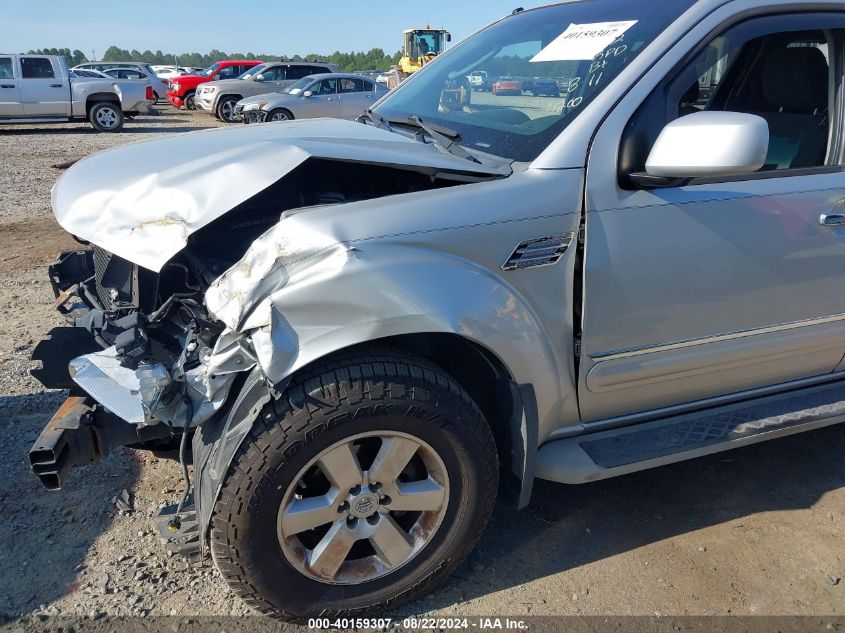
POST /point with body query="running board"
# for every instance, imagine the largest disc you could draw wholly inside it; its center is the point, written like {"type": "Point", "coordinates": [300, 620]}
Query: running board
{"type": "Point", "coordinates": [628, 449]}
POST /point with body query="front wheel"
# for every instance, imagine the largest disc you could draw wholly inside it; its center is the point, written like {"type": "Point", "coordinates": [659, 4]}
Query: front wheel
{"type": "Point", "coordinates": [189, 102]}
{"type": "Point", "coordinates": [106, 117]}
{"type": "Point", "coordinates": [279, 114]}
{"type": "Point", "coordinates": [365, 486]}
{"type": "Point", "coordinates": [226, 109]}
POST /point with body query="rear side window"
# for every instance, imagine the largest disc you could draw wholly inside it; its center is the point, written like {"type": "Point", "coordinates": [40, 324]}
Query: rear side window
{"type": "Point", "coordinates": [36, 68]}
{"type": "Point", "coordinates": [298, 72]}
{"type": "Point", "coordinates": [353, 85]}
{"type": "Point", "coordinates": [6, 71]}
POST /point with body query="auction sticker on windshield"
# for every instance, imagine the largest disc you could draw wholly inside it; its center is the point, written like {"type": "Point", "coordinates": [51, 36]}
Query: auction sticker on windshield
{"type": "Point", "coordinates": [582, 41]}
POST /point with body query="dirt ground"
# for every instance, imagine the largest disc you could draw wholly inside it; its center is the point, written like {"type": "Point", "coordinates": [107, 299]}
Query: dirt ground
{"type": "Point", "coordinates": [758, 531]}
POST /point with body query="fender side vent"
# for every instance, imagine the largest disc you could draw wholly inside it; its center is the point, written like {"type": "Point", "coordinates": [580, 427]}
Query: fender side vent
{"type": "Point", "coordinates": [540, 252]}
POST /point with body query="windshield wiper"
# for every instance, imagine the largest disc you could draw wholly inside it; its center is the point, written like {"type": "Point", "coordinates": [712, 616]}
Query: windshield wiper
{"type": "Point", "coordinates": [376, 119]}
{"type": "Point", "coordinates": [443, 137]}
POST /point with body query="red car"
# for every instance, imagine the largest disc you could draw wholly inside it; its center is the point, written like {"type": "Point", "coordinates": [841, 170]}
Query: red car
{"type": "Point", "coordinates": [507, 86]}
{"type": "Point", "coordinates": [181, 90]}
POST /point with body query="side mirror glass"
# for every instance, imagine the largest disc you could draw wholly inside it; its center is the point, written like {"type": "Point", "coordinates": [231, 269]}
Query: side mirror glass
{"type": "Point", "coordinates": [307, 94]}
{"type": "Point", "coordinates": [259, 77]}
{"type": "Point", "coordinates": [448, 37]}
{"type": "Point", "coordinates": [710, 144]}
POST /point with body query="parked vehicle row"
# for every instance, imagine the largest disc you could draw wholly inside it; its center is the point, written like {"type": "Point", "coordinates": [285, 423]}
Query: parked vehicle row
{"type": "Point", "coordinates": [480, 81]}
{"type": "Point", "coordinates": [219, 97]}
{"type": "Point", "coordinates": [337, 95]}
{"type": "Point", "coordinates": [182, 90]}
{"type": "Point", "coordinates": [41, 88]}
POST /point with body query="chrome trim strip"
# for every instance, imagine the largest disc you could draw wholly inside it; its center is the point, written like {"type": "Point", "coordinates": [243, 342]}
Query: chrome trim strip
{"type": "Point", "coordinates": [716, 338]}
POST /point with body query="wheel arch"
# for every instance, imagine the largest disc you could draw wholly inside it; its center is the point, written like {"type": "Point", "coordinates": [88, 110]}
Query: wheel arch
{"type": "Point", "coordinates": [100, 97]}
{"type": "Point", "coordinates": [509, 408]}
{"type": "Point", "coordinates": [225, 95]}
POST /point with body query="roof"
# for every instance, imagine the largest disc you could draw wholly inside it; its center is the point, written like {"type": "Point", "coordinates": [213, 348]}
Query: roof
{"type": "Point", "coordinates": [338, 76]}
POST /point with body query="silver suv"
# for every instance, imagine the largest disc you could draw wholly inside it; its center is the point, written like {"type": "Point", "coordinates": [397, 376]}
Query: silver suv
{"type": "Point", "coordinates": [366, 331]}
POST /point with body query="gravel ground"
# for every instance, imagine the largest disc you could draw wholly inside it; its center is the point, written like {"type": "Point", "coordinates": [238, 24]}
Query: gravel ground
{"type": "Point", "coordinates": [758, 531]}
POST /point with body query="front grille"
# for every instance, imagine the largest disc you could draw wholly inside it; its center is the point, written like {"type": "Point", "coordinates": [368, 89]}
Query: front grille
{"type": "Point", "coordinates": [101, 261]}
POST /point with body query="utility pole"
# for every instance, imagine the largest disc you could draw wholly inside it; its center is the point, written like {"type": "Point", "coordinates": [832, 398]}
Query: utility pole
{"type": "Point", "coordinates": [93, 55]}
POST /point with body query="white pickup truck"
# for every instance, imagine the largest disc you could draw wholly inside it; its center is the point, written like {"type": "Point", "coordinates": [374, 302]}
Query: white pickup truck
{"type": "Point", "coordinates": [41, 88]}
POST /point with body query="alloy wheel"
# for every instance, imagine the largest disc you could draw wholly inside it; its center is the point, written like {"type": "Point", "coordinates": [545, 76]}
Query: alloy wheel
{"type": "Point", "coordinates": [107, 118]}
{"type": "Point", "coordinates": [363, 507]}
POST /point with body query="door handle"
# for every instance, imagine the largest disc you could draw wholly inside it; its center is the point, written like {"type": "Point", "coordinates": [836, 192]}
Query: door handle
{"type": "Point", "coordinates": [55, 85]}
{"type": "Point", "coordinates": [7, 85]}
{"type": "Point", "coordinates": [832, 219]}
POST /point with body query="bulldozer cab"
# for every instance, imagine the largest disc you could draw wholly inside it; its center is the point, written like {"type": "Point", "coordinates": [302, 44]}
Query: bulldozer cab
{"type": "Point", "coordinates": [421, 45]}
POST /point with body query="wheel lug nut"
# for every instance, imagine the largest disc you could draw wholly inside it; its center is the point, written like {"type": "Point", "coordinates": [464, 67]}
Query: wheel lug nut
{"type": "Point", "coordinates": [385, 500]}
{"type": "Point", "coordinates": [376, 486]}
{"type": "Point", "coordinates": [343, 507]}
{"type": "Point", "coordinates": [356, 490]}
{"type": "Point", "coordinates": [372, 519]}
{"type": "Point", "coordinates": [352, 522]}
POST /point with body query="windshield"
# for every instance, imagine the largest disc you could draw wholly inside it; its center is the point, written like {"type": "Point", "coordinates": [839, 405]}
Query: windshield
{"type": "Point", "coordinates": [299, 86]}
{"type": "Point", "coordinates": [542, 67]}
{"type": "Point", "coordinates": [251, 72]}
{"type": "Point", "coordinates": [208, 72]}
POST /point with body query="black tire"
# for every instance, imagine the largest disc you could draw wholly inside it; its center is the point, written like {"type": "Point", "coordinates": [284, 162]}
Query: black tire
{"type": "Point", "coordinates": [188, 100]}
{"type": "Point", "coordinates": [226, 105]}
{"type": "Point", "coordinates": [155, 97]}
{"type": "Point", "coordinates": [106, 116]}
{"type": "Point", "coordinates": [351, 395]}
{"type": "Point", "coordinates": [276, 113]}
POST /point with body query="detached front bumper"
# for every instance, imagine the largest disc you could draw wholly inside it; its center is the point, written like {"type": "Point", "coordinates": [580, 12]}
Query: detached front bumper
{"type": "Point", "coordinates": [79, 433]}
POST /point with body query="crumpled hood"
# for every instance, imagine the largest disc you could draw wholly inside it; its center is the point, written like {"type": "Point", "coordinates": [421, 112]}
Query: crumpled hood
{"type": "Point", "coordinates": [142, 201]}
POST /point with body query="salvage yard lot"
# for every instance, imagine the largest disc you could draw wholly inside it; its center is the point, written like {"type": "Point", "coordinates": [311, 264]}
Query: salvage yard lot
{"type": "Point", "coordinates": [755, 531]}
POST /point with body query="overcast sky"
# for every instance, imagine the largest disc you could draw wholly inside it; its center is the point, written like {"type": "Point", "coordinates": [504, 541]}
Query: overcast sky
{"type": "Point", "coordinates": [273, 27]}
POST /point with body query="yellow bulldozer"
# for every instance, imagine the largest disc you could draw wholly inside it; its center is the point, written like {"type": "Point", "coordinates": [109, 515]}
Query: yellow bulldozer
{"type": "Point", "coordinates": [420, 46]}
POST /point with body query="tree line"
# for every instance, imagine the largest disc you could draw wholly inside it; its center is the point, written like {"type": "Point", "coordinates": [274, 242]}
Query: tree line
{"type": "Point", "coordinates": [375, 58]}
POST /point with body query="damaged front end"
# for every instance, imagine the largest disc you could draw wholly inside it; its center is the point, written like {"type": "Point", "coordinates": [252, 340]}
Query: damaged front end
{"type": "Point", "coordinates": [140, 369]}
{"type": "Point", "coordinates": [175, 335]}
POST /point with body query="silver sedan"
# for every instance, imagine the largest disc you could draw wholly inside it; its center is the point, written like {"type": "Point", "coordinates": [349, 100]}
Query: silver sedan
{"type": "Point", "coordinates": [336, 95]}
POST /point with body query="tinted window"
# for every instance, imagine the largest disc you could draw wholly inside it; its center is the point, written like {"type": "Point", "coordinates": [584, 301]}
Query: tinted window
{"type": "Point", "coordinates": [36, 68]}
{"type": "Point", "coordinates": [325, 87]}
{"type": "Point", "coordinates": [352, 85]}
{"type": "Point", "coordinates": [229, 72]}
{"type": "Point", "coordinates": [6, 71]}
{"type": "Point", "coordinates": [298, 72]}
{"type": "Point", "coordinates": [277, 73]}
